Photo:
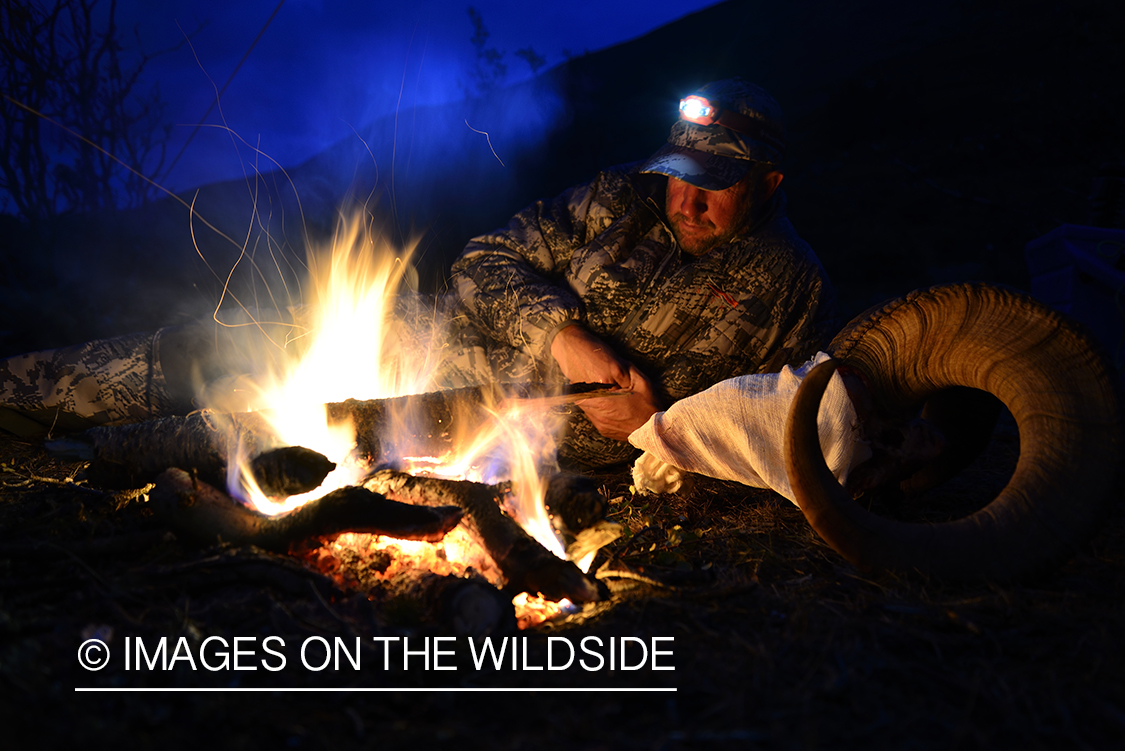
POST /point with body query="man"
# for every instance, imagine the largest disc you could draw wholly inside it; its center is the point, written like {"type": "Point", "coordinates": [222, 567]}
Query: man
{"type": "Point", "coordinates": [661, 278]}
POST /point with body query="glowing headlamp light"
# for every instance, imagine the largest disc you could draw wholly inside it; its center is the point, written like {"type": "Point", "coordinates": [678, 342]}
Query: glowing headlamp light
{"type": "Point", "coordinates": [696, 109]}
{"type": "Point", "coordinates": [701, 111]}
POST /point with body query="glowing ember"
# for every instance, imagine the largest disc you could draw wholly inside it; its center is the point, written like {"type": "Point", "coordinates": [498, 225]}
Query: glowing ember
{"type": "Point", "coordinates": [531, 611]}
{"type": "Point", "coordinates": [456, 554]}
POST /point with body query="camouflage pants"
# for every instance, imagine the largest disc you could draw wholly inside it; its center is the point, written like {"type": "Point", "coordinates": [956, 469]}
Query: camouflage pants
{"type": "Point", "coordinates": [104, 381]}
{"type": "Point", "coordinates": [125, 378]}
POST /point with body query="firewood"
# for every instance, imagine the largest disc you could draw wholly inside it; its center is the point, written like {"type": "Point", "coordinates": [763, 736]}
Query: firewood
{"type": "Point", "coordinates": [527, 565]}
{"type": "Point", "coordinates": [196, 510]}
{"type": "Point", "coordinates": [129, 456]}
{"type": "Point", "coordinates": [434, 420]}
{"type": "Point", "coordinates": [431, 421]}
{"type": "Point", "coordinates": [575, 501]}
{"type": "Point", "coordinates": [468, 606]}
{"type": "Point", "coordinates": [291, 470]}
{"type": "Point", "coordinates": [132, 455]}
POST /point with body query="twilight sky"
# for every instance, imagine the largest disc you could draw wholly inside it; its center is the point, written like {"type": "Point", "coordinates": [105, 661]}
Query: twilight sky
{"type": "Point", "coordinates": [323, 66]}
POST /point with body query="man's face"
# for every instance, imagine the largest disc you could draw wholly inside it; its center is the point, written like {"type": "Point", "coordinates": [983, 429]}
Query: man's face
{"type": "Point", "coordinates": [704, 219]}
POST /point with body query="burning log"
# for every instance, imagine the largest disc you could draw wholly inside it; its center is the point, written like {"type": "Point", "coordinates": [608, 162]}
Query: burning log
{"type": "Point", "coordinates": [291, 470]}
{"type": "Point", "coordinates": [200, 512]}
{"type": "Point", "coordinates": [130, 456]}
{"type": "Point", "coordinates": [527, 565]}
{"type": "Point", "coordinates": [440, 416]}
{"type": "Point", "coordinates": [133, 455]}
{"type": "Point", "coordinates": [434, 416]}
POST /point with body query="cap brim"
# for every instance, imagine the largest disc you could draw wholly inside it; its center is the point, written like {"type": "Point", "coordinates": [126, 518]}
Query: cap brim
{"type": "Point", "coordinates": [698, 168]}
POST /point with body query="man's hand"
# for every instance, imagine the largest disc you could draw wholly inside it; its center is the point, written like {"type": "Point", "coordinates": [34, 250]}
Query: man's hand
{"type": "Point", "coordinates": [584, 358]}
{"type": "Point", "coordinates": [618, 416]}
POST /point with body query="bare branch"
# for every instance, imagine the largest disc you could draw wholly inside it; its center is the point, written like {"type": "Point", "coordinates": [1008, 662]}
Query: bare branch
{"type": "Point", "coordinates": [63, 62]}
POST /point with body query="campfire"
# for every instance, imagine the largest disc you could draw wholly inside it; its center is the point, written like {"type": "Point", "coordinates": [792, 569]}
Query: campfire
{"type": "Point", "coordinates": [345, 440]}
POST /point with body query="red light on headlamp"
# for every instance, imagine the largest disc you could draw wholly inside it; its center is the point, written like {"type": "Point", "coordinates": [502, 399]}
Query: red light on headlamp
{"type": "Point", "coordinates": [702, 111]}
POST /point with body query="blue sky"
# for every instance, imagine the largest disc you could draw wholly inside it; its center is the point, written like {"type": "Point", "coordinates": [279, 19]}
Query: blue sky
{"type": "Point", "coordinates": [324, 66]}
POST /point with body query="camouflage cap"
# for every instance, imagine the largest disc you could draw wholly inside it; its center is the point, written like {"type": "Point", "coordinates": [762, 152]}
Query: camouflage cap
{"type": "Point", "coordinates": [714, 157]}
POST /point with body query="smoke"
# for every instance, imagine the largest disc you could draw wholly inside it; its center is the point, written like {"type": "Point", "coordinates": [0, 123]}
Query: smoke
{"type": "Point", "coordinates": [374, 104]}
{"type": "Point", "coordinates": [318, 72]}
{"type": "Point", "coordinates": [321, 69]}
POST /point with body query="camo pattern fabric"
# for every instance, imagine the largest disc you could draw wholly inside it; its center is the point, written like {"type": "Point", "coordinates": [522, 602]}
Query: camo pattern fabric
{"type": "Point", "coordinates": [601, 255]}
{"type": "Point", "coordinates": [103, 381]}
{"type": "Point", "coordinates": [471, 359]}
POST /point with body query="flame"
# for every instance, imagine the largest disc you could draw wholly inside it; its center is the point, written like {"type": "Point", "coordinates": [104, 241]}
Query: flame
{"type": "Point", "coordinates": [355, 344]}
{"type": "Point", "coordinates": [512, 446]}
{"type": "Point", "coordinates": [353, 349]}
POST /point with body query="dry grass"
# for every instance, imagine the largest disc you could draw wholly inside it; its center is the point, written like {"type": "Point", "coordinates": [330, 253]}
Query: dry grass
{"type": "Point", "coordinates": [779, 643]}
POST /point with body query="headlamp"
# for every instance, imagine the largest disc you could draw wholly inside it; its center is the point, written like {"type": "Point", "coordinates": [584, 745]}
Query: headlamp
{"type": "Point", "coordinates": [702, 111]}
{"type": "Point", "coordinates": [696, 109]}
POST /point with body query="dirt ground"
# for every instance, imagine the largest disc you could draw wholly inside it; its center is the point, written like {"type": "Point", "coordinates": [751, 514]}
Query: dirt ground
{"type": "Point", "coordinates": [777, 642]}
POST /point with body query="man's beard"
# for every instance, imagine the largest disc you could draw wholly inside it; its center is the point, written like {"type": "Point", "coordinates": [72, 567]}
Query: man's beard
{"type": "Point", "coordinates": [698, 244]}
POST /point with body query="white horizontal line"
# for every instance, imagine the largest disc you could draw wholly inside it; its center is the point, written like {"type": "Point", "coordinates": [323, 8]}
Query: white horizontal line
{"type": "Point", "coordinates": [306, 690]}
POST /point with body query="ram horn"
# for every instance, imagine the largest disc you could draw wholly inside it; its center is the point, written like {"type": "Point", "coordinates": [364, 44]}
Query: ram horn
{"type": "Point", "coordinates": [1060, 389]}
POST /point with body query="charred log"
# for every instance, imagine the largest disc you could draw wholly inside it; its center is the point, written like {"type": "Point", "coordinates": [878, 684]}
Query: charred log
{"type": "Point", "coordinates": [468, 606]}
{"type": "Point", "coordinates": [291, 470]}
{"type": "Point", "coordinates": [527, 565]}
{"type": "Point", "coordinates": [196, 510]}
{"type": "Point", "coordinates": [575, 502]}
{"type": "Point", "coordinates": [132, 455]}
{"type": "Point", "coordinates": [435, 419]}
{"type": "Point", "coordinates": [578, 510]}
{"type": "Point", "coordinates": [129, 456]}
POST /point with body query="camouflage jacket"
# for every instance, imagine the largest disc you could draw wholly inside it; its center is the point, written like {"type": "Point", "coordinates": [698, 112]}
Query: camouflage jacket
{"type": "Point", "coordinates": [601, 254]}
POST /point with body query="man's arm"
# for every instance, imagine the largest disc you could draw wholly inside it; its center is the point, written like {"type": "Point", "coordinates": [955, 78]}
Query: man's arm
{"type": "Point", "coordinates": [510, 282]}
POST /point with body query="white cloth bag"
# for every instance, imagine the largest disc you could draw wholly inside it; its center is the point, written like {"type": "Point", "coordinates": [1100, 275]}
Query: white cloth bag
{"type": "Point", "coordinates": [735, 430]}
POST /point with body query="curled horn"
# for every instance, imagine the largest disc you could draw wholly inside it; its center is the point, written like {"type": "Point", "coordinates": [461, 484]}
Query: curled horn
{"type": "Point", "coordinates": [1059, 388]}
